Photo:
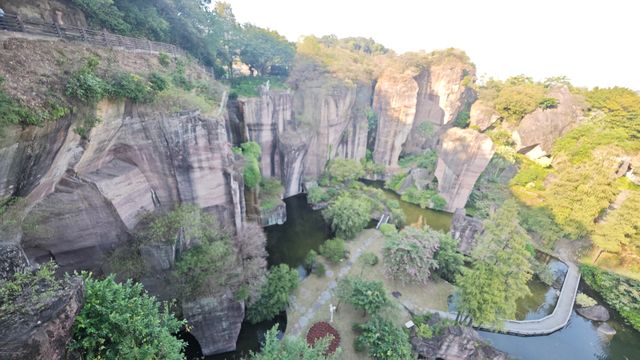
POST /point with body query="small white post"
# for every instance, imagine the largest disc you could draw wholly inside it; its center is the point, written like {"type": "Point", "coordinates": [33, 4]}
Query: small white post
{"type": "Point", "coordinates": [332, 309]}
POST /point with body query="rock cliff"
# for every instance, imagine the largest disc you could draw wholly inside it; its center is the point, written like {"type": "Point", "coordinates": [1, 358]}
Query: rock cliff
{"type": "Point", "coordinates": [462, 156]}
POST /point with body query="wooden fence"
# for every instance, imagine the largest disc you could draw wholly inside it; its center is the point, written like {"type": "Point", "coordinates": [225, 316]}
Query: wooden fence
{"type": "Point", "coordinates": [12, 22]}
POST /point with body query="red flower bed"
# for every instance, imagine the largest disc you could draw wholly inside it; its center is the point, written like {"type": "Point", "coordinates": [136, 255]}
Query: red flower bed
{"type": "Point", "coordinates": [321, 330]}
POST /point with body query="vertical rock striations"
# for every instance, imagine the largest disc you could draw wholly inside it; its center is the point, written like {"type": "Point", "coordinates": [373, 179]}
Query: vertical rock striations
{"type": "Point", "coordinates": [462, 156]}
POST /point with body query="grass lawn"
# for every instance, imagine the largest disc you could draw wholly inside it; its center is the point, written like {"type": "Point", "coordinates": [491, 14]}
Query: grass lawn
{"type": "Point", "coordinates": [417, 297]}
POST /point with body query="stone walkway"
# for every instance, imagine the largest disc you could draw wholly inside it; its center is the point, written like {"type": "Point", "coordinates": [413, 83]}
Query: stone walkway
{"type": "Point", "coordinates": [548, 324]}
{"type": "Point", "coordinates": [308, 314]}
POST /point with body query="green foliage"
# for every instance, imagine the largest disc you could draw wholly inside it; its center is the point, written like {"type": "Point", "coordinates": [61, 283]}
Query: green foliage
{"type": "Point", "coordinates": [201, 269]}
{"type": "Point", "coordinates": [514, 98]}
{"type": "Point", "coordinates": [369, 258]}
{"type": "Point", "coordinates": [12, 112]}
{"type": "Point", "coordinates": [408, 255]}
{"type": "Point", "coordinates": [580, 193]}
{"type": "Point", "coordinates": [179, 77]}
{"type": "Point", "coordinates": [124, 85]}
{"type": "Point", "coordinates": [395, 181]}
{"type": "Point", "coordinates": [450, 261]}
{"type": "Point", "coordinates": [121, 321]}
{"type": "Point", "coordinates": [388, 229]}
{"type": "Point", "coordinates": [424, 331]}
{"type": "Point", "coordinates": [271, 191]}
{"type": "Point", "coordinates": [426, 160]}
{"type": "Point", "coordinates": [621, 106]}
{"type": "Point", "coordinates": [319, 269]}
{"type": "Point", "coordinates": [317, 195]}
{"type": "Point", "coordinates": [489, 290]}
{"type": "Point", "coordinates": [384, 340]}
{"type": "Point", "coordinates": [426, 128]}
{"type": "Point", "coordinates": [274, 297]}
{"type": "Point", "coordinates": [368, 296]}
{"type": "Point", "coordinates": [248, 86]}
{"type": "Point", "coordinates": [621, 293]}
{"type": "Point", "coordinates": [88, 124]}
{"type": "Point", "coordinates": [187, 218]}
{"type": "Point", "coordinates": [85, 85]}
{"type": "Point", "coordinates": [548, 103]}
{"type": "Point", "coordinates": [348, 215]}
{"type": "Point", "coordinates": [263, 48]}
{"type": "Point", "coordinates": [584, 300]}
{"type": "Point", "coordinates": [311, 259]}
{"type": "Point", "coordinates": [539, 222]}
{"type": "Point", "coordinates": [251, 152]}
{"type": "Point", "coordinates": [619, 233]}
{"type": "Point", "coordinates": [27, 289]}
{"type": "Point", "coordinates": [164, 59]}
{"type": "Point", "coordinates": [491, 188]}
{"type": "Point", "coordinates": [158, 82]}
{"type": "Point", "coordinates": [291, 348]}
{"type": "Point", "coordinates": [334, 250]}
{"type": "Point", "coordinates": [462, 119]}
{"type": "Point", "coordinates": [530, 175]}
{"type": "Point", "coordinates": [424, 198]}
{"type": "Point", "coordinates": [344, 170]}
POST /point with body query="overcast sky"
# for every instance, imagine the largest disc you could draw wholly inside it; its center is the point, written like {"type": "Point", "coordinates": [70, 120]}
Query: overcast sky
{"type": "Point", "coordinates": [594, 43]}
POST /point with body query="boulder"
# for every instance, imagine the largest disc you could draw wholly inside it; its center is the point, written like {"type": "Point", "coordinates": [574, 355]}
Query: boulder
{"type": "Point", "coordinates": [543, 127]}
{"type": "Point", "coordinates": [12, 260]}
{"type": "Point", "coordinates": [482, 115]}
{"type": "Point", "coordinates": [44, 330]}
{"type": "Point", "coordinates": [595, 313]}
{"type": "Point", "coordinates": [606, 329]}
{"type": "Point", "coordinates": [215, 322]}
{"type": "Point", "coordinates": [455, 343]}
{"type": "Point", "coordinates": [418, 177]}
{"type": "Point", "coordinates": [463, 155]}
{"type": "Point", "coordinates": [466, 230]}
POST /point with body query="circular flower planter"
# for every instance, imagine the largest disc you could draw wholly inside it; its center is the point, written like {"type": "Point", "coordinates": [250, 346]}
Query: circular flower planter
{"type": "Point", "coordinates": [319, 331]}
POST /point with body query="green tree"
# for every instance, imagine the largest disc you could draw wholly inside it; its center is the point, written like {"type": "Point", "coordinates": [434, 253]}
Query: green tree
{"type": "Point", "coordinates": [384, 340]}
{"type": "Point", "coordinates": [274, 298]}
{"type": "Point", "coordinates": [344, 170]}
{"type": "Point", "coordinates": [121, 321]}
{"type": "Point", "coordinates": [369, 296]}
{"type": "Point", "coordinates": [291, 348]}
{"type": "Point", "coordinates": [619, 232]}
{"type": "Point", "coordinates": [408, 255]}
{"type": "Point", "coordinates": [251, 152]}
{"type": "Point", "coordinates": [489, 290]}
{"type": "Point", "coordinates": [450, 260]}
{"type": "Point", "coordinates": [334, 250]}
{"type": "Point", "coordinates": [348, 215]}
{"type": "Point", "coordinates": [262, 48]}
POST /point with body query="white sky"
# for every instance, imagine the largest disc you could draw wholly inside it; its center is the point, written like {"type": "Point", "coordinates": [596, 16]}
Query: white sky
{"type": "Point", "coordinates": [594, 43]}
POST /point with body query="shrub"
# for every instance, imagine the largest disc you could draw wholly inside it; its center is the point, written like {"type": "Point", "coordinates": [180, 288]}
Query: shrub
{"type": "Point", "coordinates": [88, 124]}
{"type": "Point", "coordinates": [395, 181]}
{"type": "Point", "coordinates": [200, 269]}
{"type": "Point", "coordinates": [164, 59]}
{"type": "Point", "coordinates": [424, 198]}
{"type": "Point", "coordinates": [369, 296]}
{"type": "Point", "coordinates": [408, 255]}
{"type": "Point", "coordinates": [449, 259]}
{"type": "Point", "coordinates": [128, 86]}
{"type": "Point", "coordinates": [274, 298]}
{"type": "Point", "coordinates": [86, 86]}
{"type": "Point", "coordinates": [348, 215]}
{"type": "Point", "coordinates": [291, 348]}
{"type": "Point", "coordinates": [344, 170]}
{"type": "Point", "coordinates": [621, 293]}
{"type": "Point", "coordinates": [334, 250]}
{"type": "Point", "coordinates": [584, 300]}
{"type": "Point", "coordinates": [548, 103]}
{"type": "Point", "coordinates": [251, 152]}
{"type": "Point", "coordinates": [317, 195]}
{"type": "Point", "coordinates": [387, 229]}
{"type": "Point", "coordinates": [179, 77]}
{"type": "Point", "coordinates": [462, 119]}
{"type": "Point", "coordinates": [311, 259]}
{"type": "Point", "coordinates": [122, 321]}
{"type": "Point", "coordinates": [424, 331]}
{"type": "Point", "coordinates": [158, 82]}
{"type": "Point", "coordinates": [26, 289]}
{"type": "Point", "coordinates": [319, 269]}
{"type": "Point", "coordinates": [384, 340]}
{"type": "Point", "coordinates": [369, 258]}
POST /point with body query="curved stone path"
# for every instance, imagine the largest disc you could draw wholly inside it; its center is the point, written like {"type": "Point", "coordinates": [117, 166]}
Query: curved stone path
{"type": "Point", "coordinates": [557, 320]}
{"type": "Point", "coordinates": [308, 314]}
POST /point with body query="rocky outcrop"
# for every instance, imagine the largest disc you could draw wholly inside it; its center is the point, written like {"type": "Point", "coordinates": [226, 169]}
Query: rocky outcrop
{"type": "Point", "coordinates": [482, 115]}
{"type": "Point", "coordinates": [595, 313]}
{"type": "Point", "coordinates": [542, 127]}
{"type": "Point", "coordinates": [135, 162]}
{"type": "Point", "coordinates": [12, 260]}
{"type": "Point", "coordinates": [466, 230]}
{"type": "Point", "coordinates": [48, 11]}
{"type": "Point", "coordinates": [462, 156]}
{"type": "Point", "coordinates": [417, 177]}
{"type": "Point", "coordinates": [42, 331]}
{"type": "Point", "coordinates": [395, 102]}
{"type": "Point", "coordinates": [455, 342]}
{"type": "Point", "coordinates": [274, 216]}
{"type": "Point", "coordinates": [216, 322]}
